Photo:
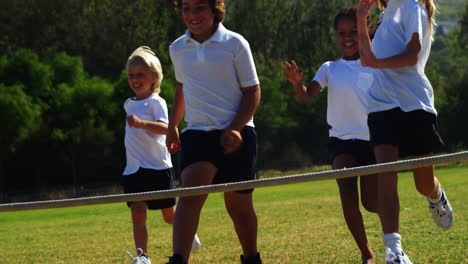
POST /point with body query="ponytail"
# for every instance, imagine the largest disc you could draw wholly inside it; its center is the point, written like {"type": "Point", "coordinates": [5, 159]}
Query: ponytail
{"type": "Point", "coordinates": [431, 10]}
{"type": "Point", "coordinates": [381, 4]}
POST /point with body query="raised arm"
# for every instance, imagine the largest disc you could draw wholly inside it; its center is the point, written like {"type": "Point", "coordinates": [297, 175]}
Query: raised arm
{"type": "Point", "coordinates": [409, 57]}
{"type": "Point", "coordinates": [295, 76]}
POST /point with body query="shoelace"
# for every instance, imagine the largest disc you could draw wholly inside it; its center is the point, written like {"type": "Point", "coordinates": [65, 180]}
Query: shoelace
{"type": "Point", "coordinates": [439, 207]}
{"type": "Point", "coordinates": [139, 254]}
{"type": "Point", "coordinates": [390, 256]}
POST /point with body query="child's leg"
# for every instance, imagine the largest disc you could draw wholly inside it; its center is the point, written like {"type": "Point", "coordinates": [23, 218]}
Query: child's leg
{"type": "Point", "coordinates": [168, 214]}
{"type": "Point", "coordinates": [349, 195]}
{"type": "Point", "coordinates": [428, 185]}
{"type": "Point", "coordinates": [140, 233]}
{"type": "Point", "coordinates": [388, 202]}
{"type": "Point", "coordinates": [425, 180]}
{"type": "Point", "coordinates": [188, 210]}
{"type": "Point", "coordinates": [240, 209]}
{"type": "Point", "coordinates": [369, 192]}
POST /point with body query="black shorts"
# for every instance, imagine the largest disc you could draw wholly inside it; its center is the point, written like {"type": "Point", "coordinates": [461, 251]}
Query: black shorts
{"type": "Point", "coordinates": [148, 180]}
{"type": "Point", "coordinates": [360, 150]}
{"type": "Point", "coordinates": [239, 166]}
{"type": "Point", "coordinates": [415, 133]}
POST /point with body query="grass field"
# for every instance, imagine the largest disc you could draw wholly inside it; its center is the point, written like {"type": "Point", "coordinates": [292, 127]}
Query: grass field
{"type": "Point", "coordinates": [298, 223]}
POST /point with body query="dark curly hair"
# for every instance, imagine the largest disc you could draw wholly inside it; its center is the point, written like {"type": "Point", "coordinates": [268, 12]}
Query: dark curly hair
{"type": "Point", "coordinates": [216, 5]}
{"type": "Point", "coordinates": [345, 13]}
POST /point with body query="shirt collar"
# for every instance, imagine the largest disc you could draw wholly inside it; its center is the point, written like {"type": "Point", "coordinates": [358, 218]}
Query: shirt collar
{"type": "Point", "coordinates": [220, 35]}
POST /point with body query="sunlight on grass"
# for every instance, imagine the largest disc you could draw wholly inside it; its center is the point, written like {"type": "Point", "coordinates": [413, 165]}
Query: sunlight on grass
{"type": "Point", "coordinates": [298, 223]}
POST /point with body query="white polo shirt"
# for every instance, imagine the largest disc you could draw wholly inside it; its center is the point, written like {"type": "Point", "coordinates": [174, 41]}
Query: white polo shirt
{"type": "Point", "coordinates": [212, 73]}
{"type": "Point", "coordinates": [406, 87]}
{"type": "Point", "coordinates": [348, 84]}
{"type": "Point", "coordinates": [143, 148]}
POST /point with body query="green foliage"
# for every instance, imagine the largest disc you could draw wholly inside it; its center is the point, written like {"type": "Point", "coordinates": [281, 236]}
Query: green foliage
{"type": "Point", "coordinates": [19, 115]}
{"type": "Point", "coordinates": [26, 68]}
{"type": "Point", "coordinates": [65, 61]}
{"type": "Point", "coordinates": [67, 69]}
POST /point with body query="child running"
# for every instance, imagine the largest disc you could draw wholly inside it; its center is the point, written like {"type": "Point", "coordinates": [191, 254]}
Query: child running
{"type": "Point", "coordinates": [149, 165]}
{"type": "Point", "coordinates": [402, 118]}
{"type": "Point", "coordinates": [348, 144]}
{"type": "Point", "coordinates": [218, 91]}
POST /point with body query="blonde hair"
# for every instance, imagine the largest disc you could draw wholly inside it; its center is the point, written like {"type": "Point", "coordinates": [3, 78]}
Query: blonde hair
{"type": "Point", "coordinates": [144, 55]}
{"type": "Point", "coordinates": [429, 5]}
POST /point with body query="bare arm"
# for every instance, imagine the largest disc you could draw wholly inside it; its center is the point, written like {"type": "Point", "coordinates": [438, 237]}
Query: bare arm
{"type": "Point", "coordinates": [231, 138]}
{"type": "Point", "coordinates": [294, 76]}
{"type": "Point", "coordinates": [177, 113]}
{"type": "Point", "coordinates": [155, 127]}
{"type": "Point", "coordinates": [407, 58]}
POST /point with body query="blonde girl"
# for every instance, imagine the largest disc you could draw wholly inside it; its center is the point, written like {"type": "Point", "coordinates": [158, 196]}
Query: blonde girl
{"type": "Point", "coordinates": [402, 118]}
{"type": "Point", "coordinates": [149, 165]}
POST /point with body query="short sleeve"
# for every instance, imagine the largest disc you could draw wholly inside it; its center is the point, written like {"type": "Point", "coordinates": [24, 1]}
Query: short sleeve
{"type": "Point", "coordinates": [177, 72]}
{"type": "Point", "coordinates": [415, 21]}
{"type": "Point", "coordinates": [321, 76]}
{"type": "Point", "coordinates": [159, 108]}
{"type": "Point", "coordinates": [245, 66]}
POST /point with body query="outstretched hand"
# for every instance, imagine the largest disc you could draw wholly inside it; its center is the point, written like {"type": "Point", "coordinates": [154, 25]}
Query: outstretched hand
{"type": "Point", "coordinates": [364, 7]}
{"type": "Point", "coordinates": [292, 73]}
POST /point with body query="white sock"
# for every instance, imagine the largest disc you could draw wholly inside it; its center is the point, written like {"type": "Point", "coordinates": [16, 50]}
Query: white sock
{"type": "Point", "coordinates": [434, 201]}
{"type": "Point", "coordinates": [393, 241]}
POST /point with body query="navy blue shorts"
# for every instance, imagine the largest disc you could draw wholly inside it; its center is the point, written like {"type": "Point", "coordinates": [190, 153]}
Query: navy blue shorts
{"type": "Point", "coordinates": [415, 133]}
{"type": "Point", "coordinates": [198, 146]}
{"type": "Point", "coordinates": [148, 180]}
{"type": "Point", "coordinates": [360, 150]}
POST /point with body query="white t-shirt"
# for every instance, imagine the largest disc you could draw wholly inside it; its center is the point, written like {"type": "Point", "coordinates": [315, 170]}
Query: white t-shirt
{"type": "Point", "coordinates": [212, 73]}
{"type": "Point", "coordinates": [405, 87]}
{"type": "Point", "coordinates": [143, 148]}
{"type": "Point", "coordinates": [348, 83]}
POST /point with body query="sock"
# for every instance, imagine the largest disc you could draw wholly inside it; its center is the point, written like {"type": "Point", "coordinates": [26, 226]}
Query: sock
{"type": "Point", "coordinates": [393, 241]}
{"type": "Point", "coordinates": [434, 201]}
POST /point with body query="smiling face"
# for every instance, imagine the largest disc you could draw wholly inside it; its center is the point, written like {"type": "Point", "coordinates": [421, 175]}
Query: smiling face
{"type": "Point", "coordinates": [347, 39]}
{"type": "Point", "coordinates": [199, 18]}
{"type": "Point", "coordinates": [140, 79]}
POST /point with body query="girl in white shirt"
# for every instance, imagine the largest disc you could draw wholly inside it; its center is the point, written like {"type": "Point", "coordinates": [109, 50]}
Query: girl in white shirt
{"type": "Point", "coordinates": [348, 143]}
{"type": "Point", "coordinates": [402, 119]}
{"type": "Point", "coordinates": [149, 166]}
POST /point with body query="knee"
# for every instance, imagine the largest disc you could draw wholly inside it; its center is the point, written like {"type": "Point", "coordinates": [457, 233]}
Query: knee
{"type": "Point", "coordinates": [370, 206]}
{"type": "Point", "coordinates": [138, 213]}
{"type": "Point", "coordinates": [168, 220]}
{"type": "Point", "coordinates": [241, 212]}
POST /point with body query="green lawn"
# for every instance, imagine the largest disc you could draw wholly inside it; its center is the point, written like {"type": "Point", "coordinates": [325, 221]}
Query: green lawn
{"type": "Point", "coordinates": [298, 223]}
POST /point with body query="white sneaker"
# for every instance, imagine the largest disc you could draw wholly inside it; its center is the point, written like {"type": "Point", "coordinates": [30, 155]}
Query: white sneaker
{"type": "Point", "coordinates": [196, 244]}
{"type": "Point", "coordinates": [140, 258]}
{"type": "Point", "coordinates": [442, 211]}
{"type": "Point", "coordinates": [392, 258]}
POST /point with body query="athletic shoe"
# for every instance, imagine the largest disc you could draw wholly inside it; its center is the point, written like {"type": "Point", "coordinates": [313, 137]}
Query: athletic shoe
{"type": "Point", "coordinates": [141, 258]}
{"type": "Point", "coordinates": [442, 211]}
{"type": "Point", "coordinates": [392, 258]}
{"type": "Point", "coordinates": [251, 259]}
{"type": "Point", "coordinates": [196, 244]}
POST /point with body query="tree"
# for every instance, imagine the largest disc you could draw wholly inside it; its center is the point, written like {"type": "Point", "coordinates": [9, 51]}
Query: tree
{"type": "Point", "coordinates": [20, 118]}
